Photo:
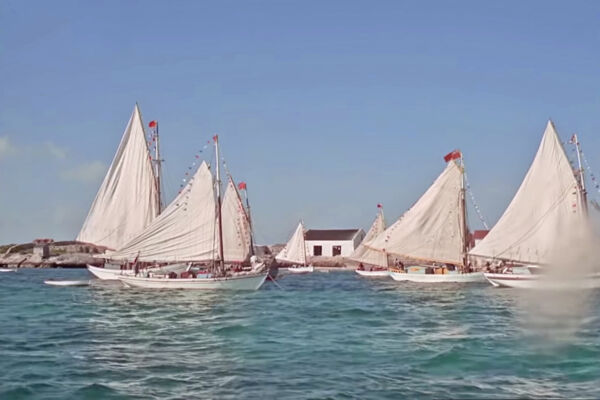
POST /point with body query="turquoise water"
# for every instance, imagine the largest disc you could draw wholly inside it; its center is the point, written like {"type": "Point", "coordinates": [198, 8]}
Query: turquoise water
{"type": "Point", "coordinates": [325, 335]}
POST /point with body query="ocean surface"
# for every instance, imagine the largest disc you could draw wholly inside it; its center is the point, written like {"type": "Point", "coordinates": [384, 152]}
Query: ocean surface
{"type": "Point", "coordinates": [324, 335]}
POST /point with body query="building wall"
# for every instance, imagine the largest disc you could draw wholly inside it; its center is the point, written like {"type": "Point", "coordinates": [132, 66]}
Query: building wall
{"type": "Point", "coordinates": [327, 245]}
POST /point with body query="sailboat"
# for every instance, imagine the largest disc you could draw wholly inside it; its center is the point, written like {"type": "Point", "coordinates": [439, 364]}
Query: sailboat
{"type": "Point", "coordinates": [206, 238]}
{"type": "Point", "coordinates": [548, 210]}
{"type": "Point", "coordinates": [376, 261]}
{"type": "Point", "coordinates": [129, 197]}
{"type": "Point", "coordinates": [433, 232]}
{"type": "Point", "coordinates": [294, 253]}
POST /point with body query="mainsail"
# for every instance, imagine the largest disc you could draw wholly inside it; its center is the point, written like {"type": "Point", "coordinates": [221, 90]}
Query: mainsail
{"type": "Point", "coordinates": [433, 229]}
{"type": "Point", "coordinates": [236, 226]}
{"type": "Point", "coordinates": [545, 210]}
{"type": "Point", "coordinates": [186, 229]}
{"type": "Point", "coordinates": [127, 200]}
{"type": "Point", "coordinates": [294, 251]}
{"type": "Point", "coordinates": [367, 255]}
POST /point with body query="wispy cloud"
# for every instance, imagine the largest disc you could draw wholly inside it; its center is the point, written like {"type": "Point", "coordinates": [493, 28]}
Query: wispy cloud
{"type": "Point", "coordinates": [6, 147]}
{"type": "Point", "coordinates": [85, 173]}
{"type": "Point", "coordinates": [57, 152]}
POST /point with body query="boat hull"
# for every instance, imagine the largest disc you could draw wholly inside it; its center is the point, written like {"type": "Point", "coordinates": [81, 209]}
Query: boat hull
{"type": "Point", "coordinates": [108, 274]}
{"type": "Point", "coordinates": [373, 274]}
{"type": "Point", "coordinates": [471, 277]}
{"type": "Point", "coordinates": [66, 283]}
{"type": "Point", "coordinates": [523, 281]}
{"type": "Point", "coordinates": [301, 270]}
{"type": "Point", "coordinates": [241, 282]}
{"type": "Point", "coordinates": [7, 269]}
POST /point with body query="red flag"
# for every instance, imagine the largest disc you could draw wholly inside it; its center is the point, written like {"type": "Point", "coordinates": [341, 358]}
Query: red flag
{"type": "Point", "coordinates": [379, 206]}
{"type": "Point", "coordinates": [216, 138]}
{"type": "Point", "coordinates": [453, 155]}
{"type": "Point", "coordinates": [152, 124]}
{"type": "Point", "coordinates": [242, 185]}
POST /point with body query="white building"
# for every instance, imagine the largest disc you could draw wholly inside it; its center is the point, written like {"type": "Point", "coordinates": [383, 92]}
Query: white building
{"type": "Point", "coordinates": [333, 242]}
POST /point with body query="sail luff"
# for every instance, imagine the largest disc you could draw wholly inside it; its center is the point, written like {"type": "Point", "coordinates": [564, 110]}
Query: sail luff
{"type": "Point", "coordinates": [546, 208]}
{"type": "Point", "coordinates": [432, 228]}
{"type": "Point", "coordinates": [126, 200]}
{"type": "Point", "coordinates": [236, 227]}
{"type": "Point", "coordinates": [295, 249]}
{"type": "Point", "coordinates": [363, 253]}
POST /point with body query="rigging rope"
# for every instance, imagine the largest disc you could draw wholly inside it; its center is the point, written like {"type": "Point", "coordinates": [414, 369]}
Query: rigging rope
{"type": "Point", "coordinates": [475, 205]}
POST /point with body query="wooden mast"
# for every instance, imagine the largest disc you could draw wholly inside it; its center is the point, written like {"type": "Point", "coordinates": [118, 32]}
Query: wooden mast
{"type": "Point", "coordinates": [249, 219]}
{"type": "Point", "coordinates": [582, 190]}
{"type": "Point", "coordinates": [303, 242]}
{"type": "Point", "coordinates": [219, 213]}
{"type": "Point", "coordinates": [463, 212]}
{"type": "Point", "coordinates": [158, 168]}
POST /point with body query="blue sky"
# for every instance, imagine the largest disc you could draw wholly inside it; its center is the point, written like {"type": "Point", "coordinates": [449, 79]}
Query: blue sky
{"type": "Point", "coordinates": [324, 108]}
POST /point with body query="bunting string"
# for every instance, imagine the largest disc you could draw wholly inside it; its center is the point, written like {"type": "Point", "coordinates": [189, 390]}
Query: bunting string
{"type": "Point", "coordinates": [475, 205]}
{"type": "Point", "coordinates": [185, 187]}
{"type": "Point", "coordinates": [595, 181]}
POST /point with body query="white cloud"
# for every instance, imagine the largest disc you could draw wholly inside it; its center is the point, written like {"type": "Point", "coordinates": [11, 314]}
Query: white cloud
{"type": "Point", "coordinates": [6, 147]}
{"type": "Point", "coordinates": [85, 173]}
{"type": "Point", "coordinates": [55, 151]}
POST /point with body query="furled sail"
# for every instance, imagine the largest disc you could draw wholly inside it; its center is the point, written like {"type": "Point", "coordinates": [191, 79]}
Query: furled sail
{"type": "Point", "coordinates": [186, 229]}
{"type": "Point", "coordinates": [545, 210]}
{"type": "Point", "coordinates": [433, 228]}
{"type": "Point", "coordinates": [127, 201]}
{"type": "Point", "coordinates": [236, 226]}
{"type": "Point", "coordinates": [295, 250]}
{"type": "Point", "coordinates": [367, 255]}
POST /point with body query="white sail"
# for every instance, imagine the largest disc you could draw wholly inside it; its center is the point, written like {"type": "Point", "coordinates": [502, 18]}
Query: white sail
{"type": "Point", "coordinates": [545, 209]}
{"type": "Point", "coordinates": [186, 229]}
{"type": "Point", "coordinates": [367, 255]}
{"type": "Point", "coordinates": [294, 251]}
{"type": "Point", "coordinates": [236, 226]}
{"type": "Point", "coordinates": [127, 201]}
{"type": "Point", "coordinates": [432, 229]}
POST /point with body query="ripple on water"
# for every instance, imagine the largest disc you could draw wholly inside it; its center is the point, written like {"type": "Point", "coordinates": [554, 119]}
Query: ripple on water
{"type": "Point", "coordinates": [323, 336]}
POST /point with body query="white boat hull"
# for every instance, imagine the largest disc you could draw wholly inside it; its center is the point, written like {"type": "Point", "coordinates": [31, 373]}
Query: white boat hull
{"type": "Point", "coordinates": [112, 274]}
{"type": "Point", "coordinates": [7, 269]}
{"type": "Point", "coordinates": [373, 274]}
{"type": "Point", "coordinates": [66, 283]}
{"type": "Point", "coordinates": [240, 282]}
{"type": "Point", "coordinates": [108, 274]}
{"type": "Point", "coordinates": [301, 270]}
{"type": "Point", "coordinates": [470, 277]}
{"type": "Point", "coordinates": [524, 281]}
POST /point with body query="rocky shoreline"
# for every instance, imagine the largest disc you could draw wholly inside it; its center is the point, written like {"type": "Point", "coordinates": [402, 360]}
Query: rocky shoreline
{"type": "Point", "coordinates": [73, 254]}
{"type": "Point", "coordinates": [66, 254]}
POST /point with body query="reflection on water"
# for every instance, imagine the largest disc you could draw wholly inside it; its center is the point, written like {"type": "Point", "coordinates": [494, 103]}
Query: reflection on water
{"type": "Point", "coordinates": [324, 335]}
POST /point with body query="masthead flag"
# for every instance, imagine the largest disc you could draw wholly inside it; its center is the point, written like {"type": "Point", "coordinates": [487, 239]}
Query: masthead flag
{"type": "Point", "coordinates": [453, 155]}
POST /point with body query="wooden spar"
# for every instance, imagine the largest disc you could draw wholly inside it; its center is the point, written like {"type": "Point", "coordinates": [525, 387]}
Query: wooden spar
{"type": "Point", "coordinates": [303, 242]}
{"type": "Point", "coordinates": [249, 216]}
{"type": "Point", "coordinates": [463, 212]}
{"type": "Point", "coordinates": [219, 213]}
{"type": "Point", "coordinates": [582, 191]}
{"type": "Point", "coordinates": [158, 167]}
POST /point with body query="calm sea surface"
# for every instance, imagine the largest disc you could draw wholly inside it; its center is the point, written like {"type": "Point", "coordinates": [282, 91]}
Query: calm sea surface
{"type": "Point", "coordinates": [324, 335]}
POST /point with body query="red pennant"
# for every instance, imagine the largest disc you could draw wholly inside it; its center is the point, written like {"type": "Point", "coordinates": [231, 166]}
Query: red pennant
{"type": "Point", "coordinates": [242, 185]}
{"type": "Point", "coordinates": [152, 124]}
{"type": "Point", "coordinates": [453, 155]}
